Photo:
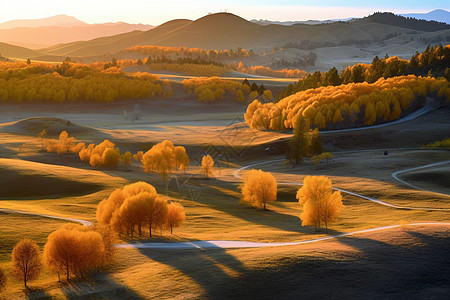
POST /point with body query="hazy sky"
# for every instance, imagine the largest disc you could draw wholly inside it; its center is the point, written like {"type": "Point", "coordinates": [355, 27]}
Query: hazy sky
{"type": "Point", "coordinates": [157, 12]}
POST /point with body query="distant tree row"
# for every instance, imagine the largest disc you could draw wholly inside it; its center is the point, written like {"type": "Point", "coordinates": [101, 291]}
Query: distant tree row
{"type": "Point", "coordinates": [212, 88]}
{"type": "Point", "coordinates": [266, 71]}
{"type": "Point", "coordinates": [190, 52]}
{"type": "Point", "coordinates": [137, 208]}
{"type": "Point", "coordinates": [434, 61]}
{"type": "Point", "coordinates": [349, 105]}
{"type": "Point", "coordinates": [73, 82]}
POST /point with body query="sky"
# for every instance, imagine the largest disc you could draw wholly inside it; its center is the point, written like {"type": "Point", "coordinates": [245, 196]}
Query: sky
{"type": "Point", "coordinates": [157, 12]}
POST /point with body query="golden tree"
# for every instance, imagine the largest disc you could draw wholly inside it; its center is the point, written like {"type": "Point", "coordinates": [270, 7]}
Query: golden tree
{"type": "Point", "coordinates": [320, 204]}
{"type": "Point", "coordinates": [126, 159]}
{"type": "Point", "coordinates": [74, 249]}
{"type": "Point", "coordinates": [26, 260]}
{"type": "Point", "coordinates": [175, 215]}
{"type": "Point", "coordinates": [259, 188]}
{"type": "Point", "coordinates": [208, 165]}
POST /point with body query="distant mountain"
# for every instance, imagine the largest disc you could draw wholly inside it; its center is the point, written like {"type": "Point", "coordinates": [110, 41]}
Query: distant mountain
{"type": "Point", "coordinates": [59, 20]}
{"type": "Point", "coordinates": [388, 18]}
{"type": "Point", "coordinates": [439, 15]}
{"type": "Point", "coordinates": [47, 32]}
{"type": "Point", "coordinates": [228, 31]}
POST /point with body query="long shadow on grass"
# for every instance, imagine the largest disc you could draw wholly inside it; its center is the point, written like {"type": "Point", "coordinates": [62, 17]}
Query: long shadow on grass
{"type": "Point", "coordinates": [223, 196]}
{"type": "Point", "coordinates": [98, 286]}
{"type": "Point", "coordinates": [379, 270]}
{"type": "Point", "coordinates": [210, 268]}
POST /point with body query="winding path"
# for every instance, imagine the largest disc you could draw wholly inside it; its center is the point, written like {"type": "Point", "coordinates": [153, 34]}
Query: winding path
{"type": "Point", "coordinates": [237, 172]}
{"type": "Point", "coordinates": [395, 175]}
{"type": "Point", "coordinates": [82, 222]}
{"type": "Point", "coordinates": [245, 244]}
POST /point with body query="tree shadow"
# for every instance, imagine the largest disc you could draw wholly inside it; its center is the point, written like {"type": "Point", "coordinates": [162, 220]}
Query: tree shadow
{"type": "Point", "coordinates": [96, 286]}
{"type": "Point", "coordinates": [209, 268]}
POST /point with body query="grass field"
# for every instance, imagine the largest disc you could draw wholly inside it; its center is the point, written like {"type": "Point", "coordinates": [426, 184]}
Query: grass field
{"type": "Point", "coordinates": [46, 183]}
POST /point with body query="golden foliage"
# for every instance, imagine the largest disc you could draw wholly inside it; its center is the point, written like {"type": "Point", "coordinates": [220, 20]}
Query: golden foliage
{"type": "Point", "coordinates": [74, 249]}
{"type": "Point", "coordinates": [320, 204]}
{"type": "Point", "coordinates": [126, 159]}
{"type": "Point", "coordinates": [325, 155]}
{"type": "Point", "coordinates": [258, 188]}
{"type": "Point", "coordinates": [164, 157]}
{"type": "Point", "coordinates": [175, 215]}
{"type": "Point", "coordinates": [136, 206]}
{"type": "Point", "coordinates": [64, 144]}
{"type": "Point", "coordinates": [26, 260]}
{"type": "Point", "coordinates": [211, 88]}
{"type": "Point", "coordinates": [348, 105]}
{"type": "Point", "coordinates": [104, 154]}
{"type": "Point", "coordinates": [208, 165]}
{"type": "Point", "coordinates": [72, 82]}
{"type": "Point", "coordinates": [266, 71]}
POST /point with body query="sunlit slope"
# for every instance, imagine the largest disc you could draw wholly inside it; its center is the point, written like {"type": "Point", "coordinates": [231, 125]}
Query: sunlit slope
{"type": "Point", "coordinates": [225, 31]}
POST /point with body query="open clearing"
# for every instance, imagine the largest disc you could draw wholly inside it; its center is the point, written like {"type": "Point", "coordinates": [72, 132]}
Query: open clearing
{"type": "Point", "coordinates": [381, 264]}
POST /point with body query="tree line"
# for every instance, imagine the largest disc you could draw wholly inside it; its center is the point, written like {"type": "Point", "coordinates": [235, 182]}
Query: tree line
{"type": "Point", "coordinates": [71, 82]}
{"type": "Point", "coordinates": [349, 105]}
{"type": "Point", "coordinates": [212, 88]}
{"type": "Point", "coordinates": [434, 61]}
{"type": "Point", "coordinates": [136, 208]}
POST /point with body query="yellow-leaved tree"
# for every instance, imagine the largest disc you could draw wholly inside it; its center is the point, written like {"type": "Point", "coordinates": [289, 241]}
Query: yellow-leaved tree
{"type": "Point", "coordinates": [320, 204]}
{"type": "Point", "coordinates": [26, 260]}
{"type": "Point", "coordinates": [259, 188]}
{"type": "Point", "coordinates": [207, 165]}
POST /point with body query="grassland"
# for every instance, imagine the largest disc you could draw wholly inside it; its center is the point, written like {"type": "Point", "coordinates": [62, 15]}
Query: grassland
{"type": "Point", "coordinates": [72, 188]}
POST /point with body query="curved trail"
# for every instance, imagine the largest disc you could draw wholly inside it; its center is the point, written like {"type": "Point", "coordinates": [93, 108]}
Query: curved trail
{"type": "Point", "coordinates": [395, 175]}
{"type": "Point", "coordinates": [82, 222]}
{"type": "Point", "coordinates": [244, 244]}
{"type": "Point", "coordinates": [375, 200]}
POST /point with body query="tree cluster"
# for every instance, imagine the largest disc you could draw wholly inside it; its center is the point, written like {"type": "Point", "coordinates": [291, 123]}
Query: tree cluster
{"type": "Point", "coordinates": [104, 154]}
{"type": "Point", "coordinates": [76, 249]}
{"type": "Point", "coordinates": [348, 105]}
{"type": "Point", "coordinates": [137, 207]}
{"type": "Point", "coordinates": [211, 88]}
{"type": "Point", "coordinates": [320, 204]}
{"type": "Point", "coordinates": [434, 61]}
{"type": "Point", "coordinates": [164, 157]}
{"type": "Point", "coordinates": [64, 144]}
{"type": "Point", "coordinates": [71, 82]}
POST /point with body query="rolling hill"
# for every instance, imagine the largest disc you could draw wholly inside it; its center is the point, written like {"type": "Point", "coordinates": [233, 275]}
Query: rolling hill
{"type": "Point", "coordinates": [47, 32]}
{"type": "Point", "coordinates": [225, 31]}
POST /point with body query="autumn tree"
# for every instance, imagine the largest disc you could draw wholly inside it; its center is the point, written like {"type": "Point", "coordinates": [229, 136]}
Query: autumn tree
{"type": "Point", "coordinates": [135, 206]}
{"type": "Point", "coordinates": [138, 156]}
{"type": "Point", "coordinates": [42, 135]}
{"type": "Point", "coordinates": [207, 165]}
{"type": "Point", "coordinates": [26, 260]}
{"type": "Point", "coordinates": [298, 145]}
{"type": "Point", "coordinates": [126, 159]}
{"type": "Point", "coordinates": [164, 157]}
{"type": "Point", "coordinates": [74, 249]}
{"type": "Point", "coordinates": [175, 215]}
{"type": "Point", "coordinates": [259, 188]}
{"type": "Point", "coordinates": [320, 204]}
{"type": "Point", "coordinates": [3, 279]}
